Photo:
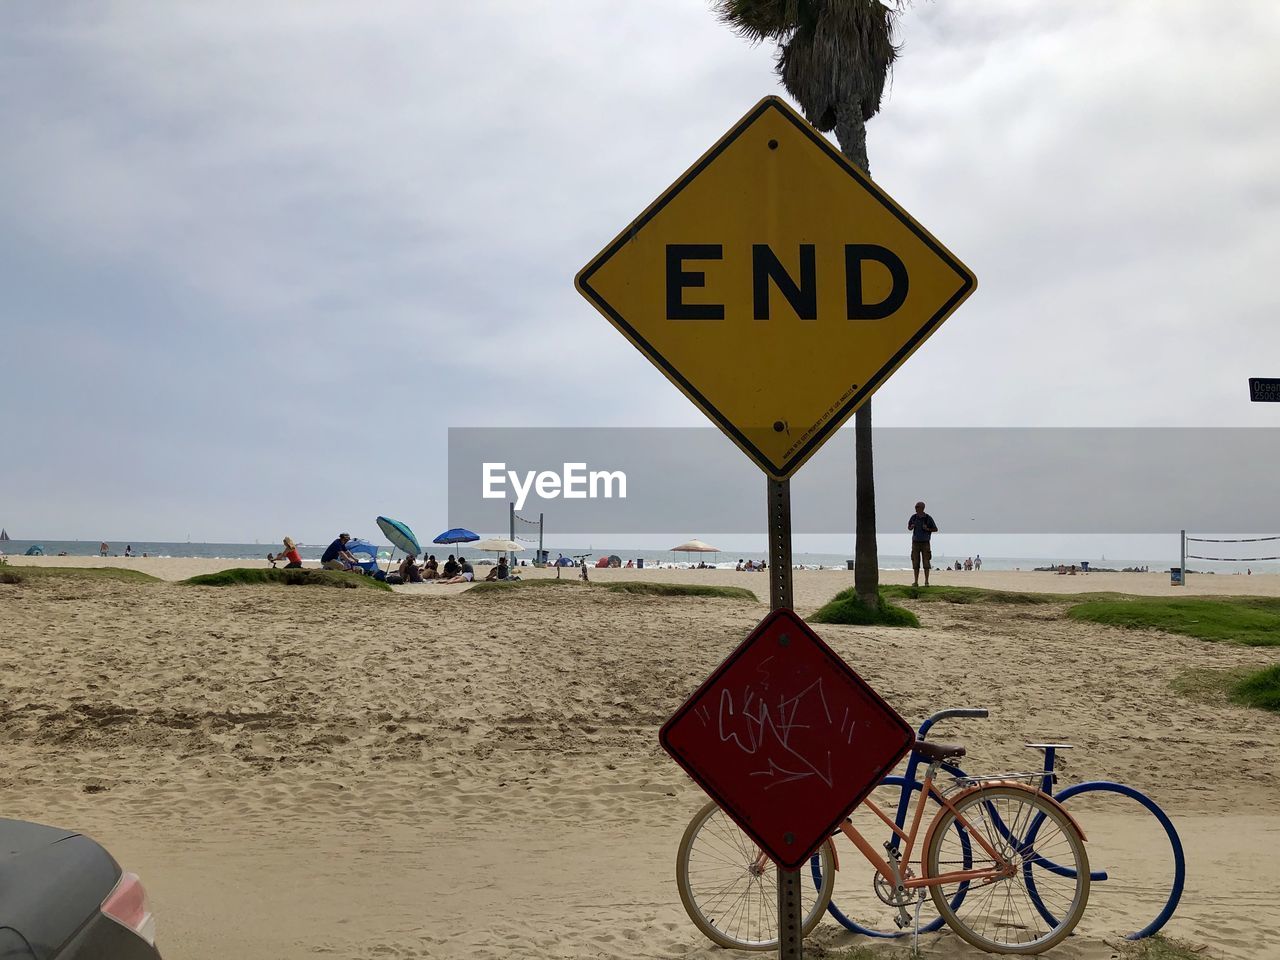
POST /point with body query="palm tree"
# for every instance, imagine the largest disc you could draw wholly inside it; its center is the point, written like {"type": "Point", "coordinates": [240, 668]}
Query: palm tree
{"type": "Point", "coordinates": [833, 58]}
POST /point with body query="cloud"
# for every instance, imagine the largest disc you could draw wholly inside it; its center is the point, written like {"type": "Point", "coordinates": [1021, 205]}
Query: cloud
{"type": "Point", "coordinates": [239, 237]}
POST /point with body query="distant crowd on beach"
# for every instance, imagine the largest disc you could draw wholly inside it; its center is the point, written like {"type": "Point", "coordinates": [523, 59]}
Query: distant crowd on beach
{"type": "Point", "coordinates": [338, 556]}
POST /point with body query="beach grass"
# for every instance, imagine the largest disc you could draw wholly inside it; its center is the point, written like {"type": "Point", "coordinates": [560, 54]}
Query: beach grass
{"type": "Point", "coordinates": [240, 576]}
{"type": "Point", "coordinates": [846, 608]}
{"type": "Point", "coordinates": [16, 573]}
{"type": "Point", "coordinates": [681, 590]}
{"type": "Point", "coordinates": [1159, 947]}
{"type": "Point", "coordinates": [1259, 689]}
{"type": "Point", "coordinates": [861, 953]}
{"type": "Point", "coordinates": [1252, 621]}
{"type": "Point", "coordinates": [504, 586]}
{"type": "Point", "coordinates": [1205, 685]}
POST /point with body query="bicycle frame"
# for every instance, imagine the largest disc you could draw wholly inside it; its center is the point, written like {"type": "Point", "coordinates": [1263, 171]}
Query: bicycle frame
{"type": "Point", "coordinates": [1001, 870]}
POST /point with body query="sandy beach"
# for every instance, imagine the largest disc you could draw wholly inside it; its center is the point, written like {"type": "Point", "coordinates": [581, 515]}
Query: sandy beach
{"type": "Point", "coordinates": [302, 772]}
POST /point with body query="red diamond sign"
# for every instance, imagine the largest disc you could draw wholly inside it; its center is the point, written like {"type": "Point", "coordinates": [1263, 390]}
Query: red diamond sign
{"type": "Point", "coordinates": [786, 738]}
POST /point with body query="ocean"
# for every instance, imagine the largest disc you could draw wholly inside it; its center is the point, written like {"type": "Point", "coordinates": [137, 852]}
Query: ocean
{"type": "Point", "coordinates": [254, 551]}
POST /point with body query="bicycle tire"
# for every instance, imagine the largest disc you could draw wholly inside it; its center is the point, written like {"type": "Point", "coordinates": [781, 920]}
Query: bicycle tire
{"type": "Point", "coordinates": [727, 900]}
{"type": "Point", "coordinates": [1175, 845]}
{"type": "Point", "coordinates": [999, 919]}
{"type": "Point", "coordinates": [848, 922]}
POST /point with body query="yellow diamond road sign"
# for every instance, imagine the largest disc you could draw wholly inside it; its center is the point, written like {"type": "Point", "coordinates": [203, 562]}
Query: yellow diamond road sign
{"type": "Point", "coordinates": [776, 286]}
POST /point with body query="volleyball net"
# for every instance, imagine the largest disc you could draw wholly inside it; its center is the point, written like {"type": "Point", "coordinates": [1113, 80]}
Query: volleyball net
{"type": "Point", "coordinates": [1187, 542]}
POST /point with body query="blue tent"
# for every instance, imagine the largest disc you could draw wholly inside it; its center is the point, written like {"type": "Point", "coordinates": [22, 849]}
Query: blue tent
{"type": "Point", "coordinates": [35, 550]}
{"type": "Point", "coordinates": [365, 553]}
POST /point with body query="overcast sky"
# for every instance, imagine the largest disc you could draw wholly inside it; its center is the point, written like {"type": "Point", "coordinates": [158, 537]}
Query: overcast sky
{"type": "Point", "coordinates": [257, 258]}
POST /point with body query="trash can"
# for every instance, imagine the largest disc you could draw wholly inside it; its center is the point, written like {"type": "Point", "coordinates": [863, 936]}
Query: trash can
{"type": "Point", "coordinates": [639, 563]}
{"type": "Point", "coordinates": [850, 563]}
{"type": "Point", "coordinates": [1175, 576]}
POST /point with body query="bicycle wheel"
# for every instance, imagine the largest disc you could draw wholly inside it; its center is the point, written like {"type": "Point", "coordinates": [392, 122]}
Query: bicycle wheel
{"type": "Point", "coordinates": [729, 898]}
{"type": "Point", "coordinates": [1025, 828]}
{"type": "Point", "coordinates": [855, 903]}
{"type": "Point", "coordinates": [1141, 868]}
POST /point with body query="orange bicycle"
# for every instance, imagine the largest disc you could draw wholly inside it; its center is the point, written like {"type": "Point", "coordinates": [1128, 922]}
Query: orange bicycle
{"type": "Point", "coordinates": [976, 851]}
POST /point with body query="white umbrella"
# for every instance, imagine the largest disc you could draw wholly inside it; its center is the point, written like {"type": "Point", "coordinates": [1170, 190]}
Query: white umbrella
{"type": "Point", "coordinates": [497, 546]}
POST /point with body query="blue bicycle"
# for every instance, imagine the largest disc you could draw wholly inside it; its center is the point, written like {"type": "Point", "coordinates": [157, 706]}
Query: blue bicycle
{"type": "Point", "coordinates": [863, 911]}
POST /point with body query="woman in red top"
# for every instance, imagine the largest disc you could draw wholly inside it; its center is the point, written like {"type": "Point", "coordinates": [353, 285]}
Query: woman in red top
{"type": "Point", "coordinates": [290, 553]}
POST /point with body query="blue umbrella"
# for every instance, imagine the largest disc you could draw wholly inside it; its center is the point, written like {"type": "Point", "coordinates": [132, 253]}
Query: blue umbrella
{"type": "Point", "coordinates": [456, 535]}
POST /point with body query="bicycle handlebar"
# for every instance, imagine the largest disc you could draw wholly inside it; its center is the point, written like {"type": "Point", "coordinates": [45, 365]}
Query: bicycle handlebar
{"type": "Point", "coordinates": [953, 713]}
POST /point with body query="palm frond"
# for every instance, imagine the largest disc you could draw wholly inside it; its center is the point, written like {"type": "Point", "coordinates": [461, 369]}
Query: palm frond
{"type": "Point", "coordinates": [757, 20]}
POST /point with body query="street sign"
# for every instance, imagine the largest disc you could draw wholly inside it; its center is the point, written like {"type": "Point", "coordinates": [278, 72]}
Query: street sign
{"type": "Point", "coordinates": [1264, 390]}
{"type": "Point", "coordinates": [786, 738]}
{"type": "Point", "coordinates": [776, 286]}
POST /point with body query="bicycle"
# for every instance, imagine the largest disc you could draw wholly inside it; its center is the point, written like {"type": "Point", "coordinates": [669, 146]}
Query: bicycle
{"type": "Point", "coordinates": [977, 850]}
{"type": "Point", "coordinates": [896, 791]}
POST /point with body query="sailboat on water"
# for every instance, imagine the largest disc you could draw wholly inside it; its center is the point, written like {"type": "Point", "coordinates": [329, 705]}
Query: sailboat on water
{"type": "Point", "coordinates": [4, 534]}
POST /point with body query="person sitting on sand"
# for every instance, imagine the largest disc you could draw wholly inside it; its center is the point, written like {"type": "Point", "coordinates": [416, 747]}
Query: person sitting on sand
{"type": "Point", "coordinates": [431, 569]}
{"type": "Point", "coordinates": [337, 556]}
{"type": "Point", "coordinates": [451, 568]}
{"type": "Point", "coordinates": [409, 572]}
{"type": "Point", "coordinates": [500, 572]}
{"type": "Point", "coordinates": [465, 573]}
{"type": "Point", "coordinates": [289, 553]}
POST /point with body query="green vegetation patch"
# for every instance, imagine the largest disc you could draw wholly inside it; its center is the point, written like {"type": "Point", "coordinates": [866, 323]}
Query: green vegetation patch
{"type": "Point", "coordinates": [846, 608]}
{"type": "Point", "coordinates": [899, 591]}
{"type": "Point", "coordinates": [1234, 619]}
{"type": "Point", "coordinates": [504, 586]}
{"type": "Point", "coordinates": [17, 573]}
{"type": "Point", "coordinates": [1207, 686]}
{"type": "Point", "coordinates": [682, 590]}
{"type": "Point", "coordinates": [1260, 689]}
{"type": "Point", "coordinates": [1160, 948]}
{"type": "Point", "coordinates": [293, 578]}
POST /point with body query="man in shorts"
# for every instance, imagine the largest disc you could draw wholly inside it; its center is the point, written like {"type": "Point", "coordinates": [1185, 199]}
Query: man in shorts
{"type": "Point", "coordinates": [922, 528]}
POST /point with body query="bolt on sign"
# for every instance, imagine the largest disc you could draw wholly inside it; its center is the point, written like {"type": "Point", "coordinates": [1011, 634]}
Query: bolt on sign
{"type": "Point", "coordinates": [776, 286]}
{"type": "Point", "coordinates": [786, 738]}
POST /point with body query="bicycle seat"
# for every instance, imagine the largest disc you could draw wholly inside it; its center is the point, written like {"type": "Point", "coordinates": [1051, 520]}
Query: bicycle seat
{"type": "Point", "coordinates": [938, 751]}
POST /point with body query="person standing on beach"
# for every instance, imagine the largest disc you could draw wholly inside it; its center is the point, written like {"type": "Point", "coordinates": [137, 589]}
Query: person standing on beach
{"type": "Point", "coordinates": [922, 528]}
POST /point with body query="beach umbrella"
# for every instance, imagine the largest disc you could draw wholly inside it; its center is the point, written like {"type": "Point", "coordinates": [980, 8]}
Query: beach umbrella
{"type": "Point", "coordinates": [498, 545]}
{"type": "Point", "coordinates": [457, 535]}
{"type": "Point", "coordinates": [695, 546]}
{"type": "Point", "coordinates": [400, 535]}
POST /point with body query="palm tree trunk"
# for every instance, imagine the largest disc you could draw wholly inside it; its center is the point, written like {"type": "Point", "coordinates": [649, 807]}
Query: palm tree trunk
{"type": "Point", "coordinates": [851, 133]}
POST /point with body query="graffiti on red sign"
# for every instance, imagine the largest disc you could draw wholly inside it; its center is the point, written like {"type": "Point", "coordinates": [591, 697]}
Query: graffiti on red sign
{"type": "Point", "coordinates": [765, 733]}
{"type": "Point", "coordinates": [785, 711]}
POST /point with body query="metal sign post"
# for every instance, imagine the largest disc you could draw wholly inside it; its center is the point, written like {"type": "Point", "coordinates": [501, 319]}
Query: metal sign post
{"type": "Point", "coordinates": [790, 910]}
{"type": "Point", "coordinates": [723, 296]}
